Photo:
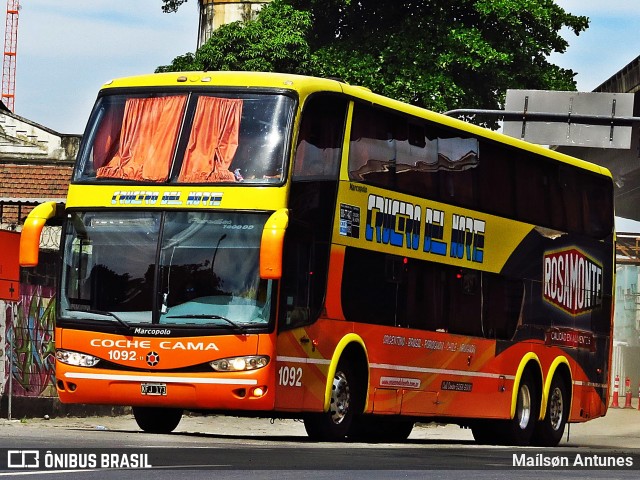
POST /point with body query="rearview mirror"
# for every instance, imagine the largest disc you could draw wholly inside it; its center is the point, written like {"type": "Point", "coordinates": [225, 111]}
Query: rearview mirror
{"type": "Point", "coordinates": [31, 231]}
{"type": "Point", "coordinates": [271, 245]}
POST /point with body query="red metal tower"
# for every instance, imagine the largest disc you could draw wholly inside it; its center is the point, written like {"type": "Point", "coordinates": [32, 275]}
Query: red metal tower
{"type": "Point", "coordinates": [10, 49]}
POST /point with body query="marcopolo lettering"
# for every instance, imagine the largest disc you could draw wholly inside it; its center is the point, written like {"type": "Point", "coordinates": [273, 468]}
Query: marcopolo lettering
{"type": "Point", "coordinates": [151, 331]}
{"type": "Point", "coordinates": [572, 281]}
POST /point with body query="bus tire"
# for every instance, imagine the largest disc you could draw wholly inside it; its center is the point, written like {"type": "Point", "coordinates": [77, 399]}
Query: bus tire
{"type": "Point", "coordinates": [370, 428]}
{"type": "Point", "coordinates": [549, 431]}
{"type": "Point", "coordinates": [157, 419]}
{"type": "Point", "coordinates": [334, 425]}
{"type": "Point", "coordinates": [519, 430]}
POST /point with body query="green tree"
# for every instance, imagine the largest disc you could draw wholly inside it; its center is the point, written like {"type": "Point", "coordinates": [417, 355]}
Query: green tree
{"type": "Point", "coordinates": [276, 41]}
{"type": "Point", "coordinates": [170, 6]}
{"type": "Point", "coordinates": [432, 53]}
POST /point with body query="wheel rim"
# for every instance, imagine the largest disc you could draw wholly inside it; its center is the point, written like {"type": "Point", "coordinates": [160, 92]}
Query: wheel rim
{"type": "Point", "coordinates": [340, 396]}
{"type": "Point", "coordinates": [556, 408]}
{"type": "Point", "coordinates": [524, 406]}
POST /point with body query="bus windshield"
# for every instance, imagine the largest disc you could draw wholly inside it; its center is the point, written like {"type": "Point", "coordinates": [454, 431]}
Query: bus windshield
{"type": "Point", "coordinates": [205, 266]}
{"type": "Point", "coordinates": [187, 138]}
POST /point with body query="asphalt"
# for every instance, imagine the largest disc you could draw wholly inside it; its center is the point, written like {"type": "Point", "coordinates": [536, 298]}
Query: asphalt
{"type": "Point", "coordinates": [620, 428]}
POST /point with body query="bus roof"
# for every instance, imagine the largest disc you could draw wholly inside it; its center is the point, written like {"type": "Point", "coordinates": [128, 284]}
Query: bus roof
{"type": "Point", "coordinates": [305, 85]}
{"type": "Point", "coordinates": [227, 79]}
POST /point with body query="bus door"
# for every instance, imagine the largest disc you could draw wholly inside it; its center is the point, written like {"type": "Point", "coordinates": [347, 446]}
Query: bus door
{"type": "Point", "coordinates": [293, 344]}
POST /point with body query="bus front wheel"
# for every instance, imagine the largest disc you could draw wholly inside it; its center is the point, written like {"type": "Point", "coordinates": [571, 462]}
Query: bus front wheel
{"type": "Point", "coordinates": [157, 420]}
{"type": "Point", "coordinates": [334, 425]}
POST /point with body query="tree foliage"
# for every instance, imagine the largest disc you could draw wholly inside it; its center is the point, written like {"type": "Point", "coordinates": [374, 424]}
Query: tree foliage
{"type": "Point", "coordinates": [276, 41]}
{"type": "Point", "coordinates": [432, 53]}
{"type": "Point", "coordinates": [170, 6]}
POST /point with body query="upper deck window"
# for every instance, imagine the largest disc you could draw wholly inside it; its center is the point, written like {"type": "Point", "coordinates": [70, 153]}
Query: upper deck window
{"type": "Point", "coordinates": [187, 138]}
{"type": "Point", "coordinates": [135, 140]}
{"type": "Point", "coordinates": [213, 141]}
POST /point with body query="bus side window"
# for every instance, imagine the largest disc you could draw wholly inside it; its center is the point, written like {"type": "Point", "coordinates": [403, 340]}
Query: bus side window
{"type": "Point", "coordinates": [320, 139]}
{"type": "Point", "coordinates": [457, 164]}
{"type": "Point", "coordinates": [306, 251]}
{"type": "Point", "coordinates": [597, 207]}
{"type": "Point", "coordinates": [495, 169]}
{"type": "Point", "coordinates": [427, 293]}
{"type": "Point", "coordinates": [369, 288]}
{"type": "Point", "coordinates": [532, 191]}
{"type": "Point", "coordinates": [311, 205]}
{"type": "Point", "coordinates": [296, 279]}
{"type": "Point", "coordinates": [374, 145]}
{"type": "Point", "coordinates": [502, 301]}
{"type": "Point", "coordinates": [417, 169]}
{"type": "Point", "coordinates": [466, 301]}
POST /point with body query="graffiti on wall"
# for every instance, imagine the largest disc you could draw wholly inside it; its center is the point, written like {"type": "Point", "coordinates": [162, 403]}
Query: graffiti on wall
{"type": "Point", "coordinates": [3, 345]}
{"type": "Point", "coordinates": [29, 333]}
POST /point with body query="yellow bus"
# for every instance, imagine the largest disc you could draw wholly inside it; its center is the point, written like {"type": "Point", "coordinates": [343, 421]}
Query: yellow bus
{"type": "Point", "coordinates": [284, 246]}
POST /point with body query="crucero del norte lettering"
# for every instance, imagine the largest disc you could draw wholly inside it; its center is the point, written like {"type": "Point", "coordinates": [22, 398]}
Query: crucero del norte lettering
{"type": "Point", "coordinates": [398, 223]}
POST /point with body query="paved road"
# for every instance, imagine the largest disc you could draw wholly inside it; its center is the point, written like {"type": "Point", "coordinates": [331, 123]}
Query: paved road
{"type": "Point", "coordinates": [620, 428]}
{"type": "Point", "coordinates": [233, 445]}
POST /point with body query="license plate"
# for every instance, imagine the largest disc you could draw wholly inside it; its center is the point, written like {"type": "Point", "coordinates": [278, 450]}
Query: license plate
{"type": "Point", "coordinates": [153, 388]}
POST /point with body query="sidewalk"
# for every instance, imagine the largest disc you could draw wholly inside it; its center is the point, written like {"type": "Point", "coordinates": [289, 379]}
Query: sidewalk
{"type": "Point", "coordinates": [38, 407]}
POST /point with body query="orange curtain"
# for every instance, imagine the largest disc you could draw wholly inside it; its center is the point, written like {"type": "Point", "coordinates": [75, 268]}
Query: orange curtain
{"type": "Point", "coordinates": [147, 138]}
{"type": "Point", "coordinates": [108, 136]}
{"type": "Point", "coordinates": [213, 141]}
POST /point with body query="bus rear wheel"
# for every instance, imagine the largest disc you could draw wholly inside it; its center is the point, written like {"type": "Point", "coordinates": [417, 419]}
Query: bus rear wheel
{"type": "Point", "coordinates": [549, 431]}
{"type": "Point", "coordinates": [156, 419]}
{"type": "Point", "coordinates": [334, 425]}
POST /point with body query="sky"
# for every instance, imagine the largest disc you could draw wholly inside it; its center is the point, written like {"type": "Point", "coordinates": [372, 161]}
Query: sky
{"type": "Point", "coordinates": [609, 44]}
{"type": "Point", "coordinates": [68, 48]}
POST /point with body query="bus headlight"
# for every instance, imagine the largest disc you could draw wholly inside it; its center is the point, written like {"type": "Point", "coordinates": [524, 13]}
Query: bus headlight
{"type": "Point", "coordinates": [240, 364]}
{"type": "Point", "coordinates": [76, 358]}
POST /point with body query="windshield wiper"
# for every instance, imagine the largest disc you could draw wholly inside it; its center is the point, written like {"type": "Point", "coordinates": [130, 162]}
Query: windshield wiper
{"type": "Point", "coordinates": [211, 317]}
{"type": "Point", "coordinates": [104, 313]}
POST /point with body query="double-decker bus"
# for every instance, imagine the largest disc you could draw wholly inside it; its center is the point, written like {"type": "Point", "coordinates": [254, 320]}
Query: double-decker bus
{"type": "Point", "coordinates": [284, 246]}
